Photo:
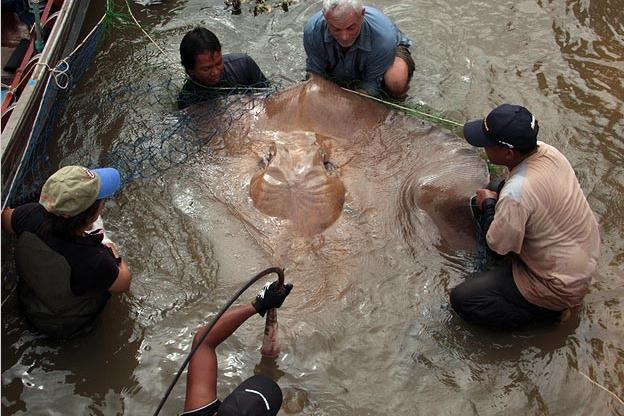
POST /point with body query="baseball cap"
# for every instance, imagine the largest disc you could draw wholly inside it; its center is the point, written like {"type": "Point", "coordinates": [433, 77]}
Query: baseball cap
{"type": "Point", "coordinates": [73, 189]}
{"type": "Point", "coordinates": [512, 126]}
{"type": "Point", "coordinates": [256, 396]}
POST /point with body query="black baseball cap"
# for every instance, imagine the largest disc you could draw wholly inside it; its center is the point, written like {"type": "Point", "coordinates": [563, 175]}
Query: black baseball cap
{"type": "Point", "coordinates": [512, 126]}
{"type": "Point", "coordinates": [256, 396]}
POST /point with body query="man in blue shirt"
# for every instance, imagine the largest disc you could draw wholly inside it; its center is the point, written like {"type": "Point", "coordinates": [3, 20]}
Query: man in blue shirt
{"type": "Point", "coordinates": [358, 47]}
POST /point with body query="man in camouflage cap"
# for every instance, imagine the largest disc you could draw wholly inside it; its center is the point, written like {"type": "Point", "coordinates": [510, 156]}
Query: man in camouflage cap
{"type": "Point", "coordinates": [66, 271]}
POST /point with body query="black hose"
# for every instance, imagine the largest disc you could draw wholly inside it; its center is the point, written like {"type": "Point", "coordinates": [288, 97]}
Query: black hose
{"type": "Point", "coordinates": [280, 275]}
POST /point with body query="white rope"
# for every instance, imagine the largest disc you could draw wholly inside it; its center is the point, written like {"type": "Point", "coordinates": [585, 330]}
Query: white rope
{"type": "Point", "coordinates": [602, 387]}
{"type": "Point", "coordinates": [166, 55]}
{"type": "Point", "coordinates": [8, 296]}
{"type": "Point", "coordinates": [61, 77]}
{"type": "Point", "coordinates": [24, 79]}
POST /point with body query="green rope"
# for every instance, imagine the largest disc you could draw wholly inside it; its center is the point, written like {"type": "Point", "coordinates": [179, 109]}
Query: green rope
{"type": "Point", "coordinates": [492, 169]}
{"type": "Point", "coordinates": [114, 16]}
{"type": "Point", "coordinates": [419, 111]}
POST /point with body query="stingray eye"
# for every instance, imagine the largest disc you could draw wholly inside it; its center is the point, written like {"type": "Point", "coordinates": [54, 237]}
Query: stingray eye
{"type": "Point", "coordinates": [269, 155]}
{"type": "Point", "coordinates": [266, 158]}
{"type": "Point", "coordinates": [329, 166]}
{"type": "Point", "coordinates": [322, 156]}
{"type": "Point", "coordinates": [264, 161]}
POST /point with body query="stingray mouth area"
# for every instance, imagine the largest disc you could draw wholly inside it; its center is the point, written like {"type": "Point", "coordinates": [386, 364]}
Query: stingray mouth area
{"type": "Point", "coordinates": [297, 182]}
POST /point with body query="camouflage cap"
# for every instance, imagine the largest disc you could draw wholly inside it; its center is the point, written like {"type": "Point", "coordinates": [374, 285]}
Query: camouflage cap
{"type": "Point", "coordinates": [73, 189]}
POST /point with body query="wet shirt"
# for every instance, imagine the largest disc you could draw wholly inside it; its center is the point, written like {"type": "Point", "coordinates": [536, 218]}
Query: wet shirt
{"type": "Point", "coordinates": [239, 71]}
{"type": "Point", "coordinates": [365, 62]}
{"type": "Point", "coordinates": [93, 266]}
{"type": "Point", "coordinates": [543, 217]}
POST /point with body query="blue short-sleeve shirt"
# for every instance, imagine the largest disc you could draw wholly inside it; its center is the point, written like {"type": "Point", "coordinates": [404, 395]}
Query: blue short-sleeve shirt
{"type": "Point", "coordinates": [367, 59]}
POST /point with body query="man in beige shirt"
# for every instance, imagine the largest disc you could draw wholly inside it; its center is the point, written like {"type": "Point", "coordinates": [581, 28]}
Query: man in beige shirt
{"type": "Point", "coordinates": [541, 219]}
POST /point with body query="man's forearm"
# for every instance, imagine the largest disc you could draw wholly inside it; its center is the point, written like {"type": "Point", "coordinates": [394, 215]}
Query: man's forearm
{"type": "Point", "coordinates": [227, 324]}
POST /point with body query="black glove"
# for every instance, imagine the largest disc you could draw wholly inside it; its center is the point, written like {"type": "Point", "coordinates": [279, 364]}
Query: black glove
{"type": "Point", "coordinates": [270, 297]}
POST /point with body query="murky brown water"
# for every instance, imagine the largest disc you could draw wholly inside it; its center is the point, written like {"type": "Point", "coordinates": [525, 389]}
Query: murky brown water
{"type": "Point", "coordinates": [367, 330]}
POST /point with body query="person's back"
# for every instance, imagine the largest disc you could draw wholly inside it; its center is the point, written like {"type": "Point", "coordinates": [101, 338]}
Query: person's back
{"type": "Point", "coordinates": [556, 228]}
{"type": "Point", "coordinates": [45, 290]}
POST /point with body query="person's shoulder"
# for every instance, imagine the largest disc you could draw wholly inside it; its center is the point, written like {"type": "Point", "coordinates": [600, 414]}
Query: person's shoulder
{"type": "Point", "coordinates": [372, 14]}
{"type": "Point", "coordinates": [238, 58]}
{"type": "Point", "coordinates": [229, 57]}
{"type": "Point", "coordinates": [31, 208]}
{"type": "Point", "coordinates": [382, 34]}
{"type": "Point", "coordinates": [315, 19]}
{"type": "Point", "coordinates": [88, 253]}
{"type": "Point", "coordinates": [548, 160]}
{"type": "Point", "coordinates": [380, 24]}
{"type": "Point", "coordinates": [315, 26]}
{"type": "Point", "coordinates": [188, 86]}
{"type": "Point", "coordinates": [187, 95]}
{"type": "Point", "coordinates": [193, 93]}
{"type": "Point", "coordinates": [27, 217]}
{"type": "Point", "coordinates": [240, 68]}
{"type": "Point", "coordinates": [548, 149]}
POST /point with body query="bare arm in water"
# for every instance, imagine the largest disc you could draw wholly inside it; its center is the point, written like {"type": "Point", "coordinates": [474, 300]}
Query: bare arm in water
{"type": "Point", "coordinates": [201, 379]}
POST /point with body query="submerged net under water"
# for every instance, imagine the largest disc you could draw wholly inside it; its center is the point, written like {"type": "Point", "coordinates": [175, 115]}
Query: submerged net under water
{"type": "Point", "coordinates": [159, 140]}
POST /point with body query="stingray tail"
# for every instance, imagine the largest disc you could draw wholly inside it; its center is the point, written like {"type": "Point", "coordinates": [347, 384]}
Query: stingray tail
{"type": "Point", "coordinates": [270, 344]}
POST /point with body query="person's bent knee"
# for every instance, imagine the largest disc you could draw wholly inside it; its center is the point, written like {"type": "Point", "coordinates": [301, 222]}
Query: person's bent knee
{"type": "Point", "coordinates": [458, 298]}
{"type": "Point", "coordinates": [396, 78]}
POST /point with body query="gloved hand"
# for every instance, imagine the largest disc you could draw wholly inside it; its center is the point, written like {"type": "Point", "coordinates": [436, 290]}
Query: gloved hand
{"type": "Point", "coordinates": [270, 297]}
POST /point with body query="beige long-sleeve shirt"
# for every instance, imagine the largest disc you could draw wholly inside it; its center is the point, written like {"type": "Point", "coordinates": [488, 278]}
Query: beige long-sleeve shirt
{"type": "Point", "coordinates": [543, 217]}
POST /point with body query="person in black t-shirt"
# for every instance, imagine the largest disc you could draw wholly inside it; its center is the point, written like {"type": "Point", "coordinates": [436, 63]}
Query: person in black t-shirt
{"type": "Point", "coordinates": [66, 272]}
{"type": "Point", "coordinates": [208, 70]}
{"type": "Point", "coordinates": [256, 396]}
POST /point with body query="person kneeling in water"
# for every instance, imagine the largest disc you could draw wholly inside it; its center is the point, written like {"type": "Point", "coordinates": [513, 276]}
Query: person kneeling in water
{"type": "Point", "coordinates": [540, 217]}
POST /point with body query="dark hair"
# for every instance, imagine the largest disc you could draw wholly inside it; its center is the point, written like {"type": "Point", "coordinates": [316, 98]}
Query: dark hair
{"type": "Point", "coordinates": [65, 228]}
{"type": "Point", "coordinates": [198, 40]}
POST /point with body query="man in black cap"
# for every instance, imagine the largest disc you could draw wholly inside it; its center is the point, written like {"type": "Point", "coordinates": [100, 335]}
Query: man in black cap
{"type": "Point", "coordinates": [540, 218]}
{"type": "Point", "coordinates": [256, 396]}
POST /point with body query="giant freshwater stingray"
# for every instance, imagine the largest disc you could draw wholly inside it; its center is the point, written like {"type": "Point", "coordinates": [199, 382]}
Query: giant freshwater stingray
{"type": "Point", "coordinates": [322, 180]}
